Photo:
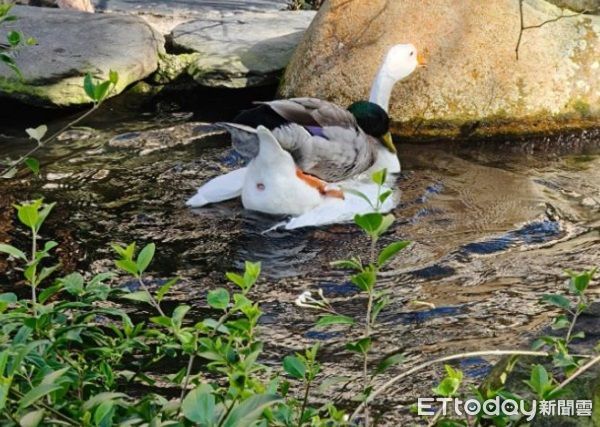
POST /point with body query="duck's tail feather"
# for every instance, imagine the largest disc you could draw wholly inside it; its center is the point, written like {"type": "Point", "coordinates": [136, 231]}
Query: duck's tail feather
{"type": "Point", "coordinates": [218, 189]}
{"type": "Point", "coordinates": [243, 138]}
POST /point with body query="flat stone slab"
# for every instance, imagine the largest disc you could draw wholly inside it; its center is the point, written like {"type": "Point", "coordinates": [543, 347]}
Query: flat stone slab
{"type": "Point", "coordinates": [164, 15]}
{"type": "Point", "coordinates": [71, 44]}
{"type": "Point", "coordinates": [241, 50]}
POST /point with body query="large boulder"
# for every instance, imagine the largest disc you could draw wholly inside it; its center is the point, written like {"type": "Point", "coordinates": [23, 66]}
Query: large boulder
{"type": "Point", "coordinates": [71, 44]}
{"type": "Point", "coordinates": [474, 85]}
{"type": "Point", "coordinates": [241, 50]}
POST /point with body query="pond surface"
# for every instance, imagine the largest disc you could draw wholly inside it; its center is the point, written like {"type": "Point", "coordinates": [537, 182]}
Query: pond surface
{"type": "Point", "coordinates": [493, 224]}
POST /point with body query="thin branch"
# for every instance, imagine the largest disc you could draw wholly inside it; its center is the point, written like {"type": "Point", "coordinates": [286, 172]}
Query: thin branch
{"type": "Point", "coordinates": [429, 363]}
{"type": "Point", "coordinates": [531, 27]}
{"type": "Point", "coordinates": [49, 139]}
{"type": "Point", "coordinates": [578, 372]}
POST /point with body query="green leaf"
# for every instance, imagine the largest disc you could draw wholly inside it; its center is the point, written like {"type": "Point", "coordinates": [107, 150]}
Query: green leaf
{"type": "Point", "coordinates": [128, 266]}
{"type": "Point", "coordinates": [379, 177]}
{"type": "Point", "coordinates": [28, 214]}
{"type": "Point", "coordinates": [390, 251]}
{"type": "Point", "coordinates": [37, 133]}
{"type": "Point", "coordinates": [101, 90]}
{"type": "Point", "coordinates": [365, 280]}
{"type": "Point", "coordinates": [43, 214]}
{"type": "Point", "coordinates": [350, 264]}
{"type": "Point", "coordinates": [560, 322]}
{"type": "Point", "coordinates": [104, 413]}
{"type": "Point", "coordinates": [330, 319]}
{"type": "Point", "coordinates": [145, 257]}
{"type": "Point", "coordinates": [235, 278]}
{"type": "Point", "coordinates": [52, 377]}
{"type": "Point", "coordinates": [540, 381]}
{"type": "Point", "coordinates": [12, 251]}
{"type": "Point", "coordinates": [390, 361]}
{"type": "Point", "coordinates": [73, 283]}
{"type": "Point", "coordinates": [37, 393]}
{"type": "Point", "coordinates": [33, 164]}
{"type": "Point", "coordinates": [447, 387]}
{"type": "Point", "coordinates": [247, 412]}
{"type": "Point", "coordinates": [251, 274]}
{"type": "Point", "coordinates": [294, 367]}
{"type": "Point", "coordinates": [97, 399]}
{"type": "Point", "coordinates": [557, 300]}
{"type": "Point", "coordinates": [10, 63]}
{"type": "Point", "coordinates": [370, 222]}
{"type": "Point", "coordinates": [386, 223]}
{"type": "Point", "coordinates": [199, 406]}
{"type": "Point", "coordinates": [178, 314]}
{"type": "Point", "coordinates": [361, 346]}
{"type": "Point", "coordinates": [14, 38]}
{"type": "Point", "coordinates": [89, 86]}
{"type": "Point", "coordinates": [32, 419]}
{"type": "Point", "coordinates": [384, 196]}
{"type": "Point", "coordinates": [113, 77]}
{"type": "Point", "coordinates": [49, 292]}
{"type": "Point", "coordinates": [580, 281]}
{"type": "Point", "coordinates": [142, 296]}
{"type": "Point", "coordinates": [218, 298]}
{"type": "Point", "coordinates": [31, 41]}
{"type": "Point", "coordinates": [164, 289]}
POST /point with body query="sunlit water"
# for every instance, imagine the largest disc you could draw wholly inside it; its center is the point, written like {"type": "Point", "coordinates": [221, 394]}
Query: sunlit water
{"type": "Point", "coordinates": [494, 225]}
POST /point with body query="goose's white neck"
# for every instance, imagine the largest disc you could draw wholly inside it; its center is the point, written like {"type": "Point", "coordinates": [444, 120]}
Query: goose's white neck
{"type": "Point", "coordinates": [381, 91]}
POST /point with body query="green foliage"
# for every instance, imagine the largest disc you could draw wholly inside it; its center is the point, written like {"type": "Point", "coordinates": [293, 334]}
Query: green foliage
{"type": "Point", "coordinates": [450, 384]}
{"type": "Point", "coordinates": [69, 356]}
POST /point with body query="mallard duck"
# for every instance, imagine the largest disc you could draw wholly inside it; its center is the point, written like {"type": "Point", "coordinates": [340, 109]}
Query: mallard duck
{"type": "Point", "coordinates": [326, 142]}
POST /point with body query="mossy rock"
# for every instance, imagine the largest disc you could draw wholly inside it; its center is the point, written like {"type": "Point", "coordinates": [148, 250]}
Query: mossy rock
{"type": "Point", "coordinates": [71, 44]}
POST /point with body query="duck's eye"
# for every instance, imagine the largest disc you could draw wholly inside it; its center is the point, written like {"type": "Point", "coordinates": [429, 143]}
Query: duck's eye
{"type": "Point", "coordinates": [412, 53]}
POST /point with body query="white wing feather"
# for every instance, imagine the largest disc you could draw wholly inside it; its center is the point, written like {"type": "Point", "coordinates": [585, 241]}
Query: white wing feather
{"type": "Point", "coordinates": [223, 187]}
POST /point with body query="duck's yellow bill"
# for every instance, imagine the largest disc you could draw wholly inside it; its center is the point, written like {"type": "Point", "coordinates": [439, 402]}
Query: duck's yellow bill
{"type": "Point", "coordinates": [388, 142]}
{"type": "Point", "coordinates": [421, 61]}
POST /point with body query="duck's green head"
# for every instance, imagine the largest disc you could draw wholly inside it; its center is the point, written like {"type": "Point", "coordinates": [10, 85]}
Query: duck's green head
{"type": "Point", "coordinates": [374, 121]}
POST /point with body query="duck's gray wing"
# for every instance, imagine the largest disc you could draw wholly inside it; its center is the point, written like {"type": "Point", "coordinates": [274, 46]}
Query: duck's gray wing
{"type": "Point", "coordinates": [340, 154]}
{"type": "Point", "coordinates": [312, 112]}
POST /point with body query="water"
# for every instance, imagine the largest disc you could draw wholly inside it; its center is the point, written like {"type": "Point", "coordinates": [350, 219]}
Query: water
{"type": "Point", "coordinates": [493, 224]}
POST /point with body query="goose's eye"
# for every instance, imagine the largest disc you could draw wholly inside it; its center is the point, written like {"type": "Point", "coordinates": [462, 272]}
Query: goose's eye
{"type": "Point", "coordinates": [412, 53]}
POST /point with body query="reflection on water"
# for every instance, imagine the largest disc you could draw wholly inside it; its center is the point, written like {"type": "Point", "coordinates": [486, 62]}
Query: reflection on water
{"type": "Point", "coordinates": [493, 227]}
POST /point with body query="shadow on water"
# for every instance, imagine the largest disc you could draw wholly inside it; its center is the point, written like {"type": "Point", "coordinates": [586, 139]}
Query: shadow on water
{"type": "Point", "coordinates": [493, 227]}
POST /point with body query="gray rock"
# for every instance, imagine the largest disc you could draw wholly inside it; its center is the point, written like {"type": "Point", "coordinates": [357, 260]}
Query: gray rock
{"type": "Point", "coordinates": [71, 44]}
{"type": "Point", "coordinates": [164, 15]}
{"type": "Point", "coordinates": [241, 50]}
